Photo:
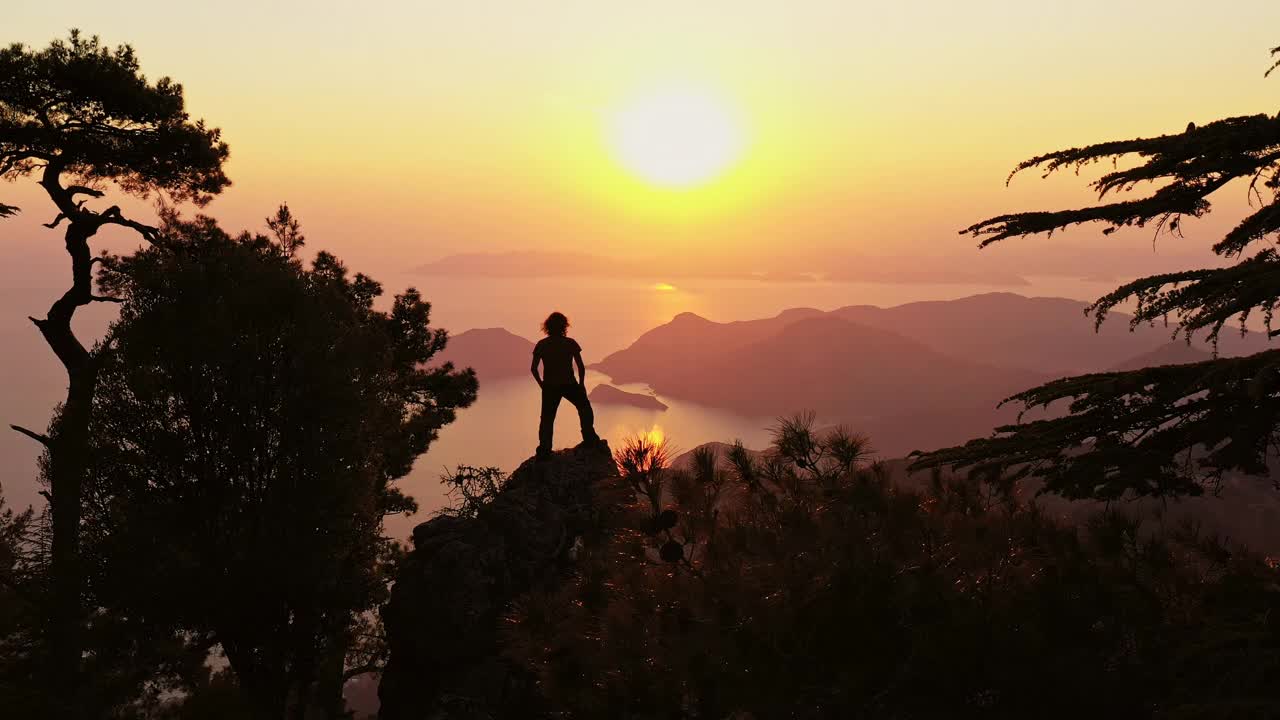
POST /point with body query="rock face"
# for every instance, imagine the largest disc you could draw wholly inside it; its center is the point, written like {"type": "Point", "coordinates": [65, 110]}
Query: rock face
{"type": "Point", "coordinates": [442, 622]}
{"type": "Point", "coordinates": [610, 395]}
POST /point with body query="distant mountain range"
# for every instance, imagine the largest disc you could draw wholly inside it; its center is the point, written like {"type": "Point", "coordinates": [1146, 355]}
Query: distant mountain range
{"type": "Point", "coordinates": [913, 376]}
{"type": "Point", "coordinates": [1045, 335]}
{"type": "Point", "coordinates": [838, 368]}
{"type": "Point", "coordinates": [1174, 353]}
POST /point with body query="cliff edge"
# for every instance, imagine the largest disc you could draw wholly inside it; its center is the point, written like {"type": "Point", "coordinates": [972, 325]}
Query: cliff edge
{"type": "Point", "coordinates": [452, 590]}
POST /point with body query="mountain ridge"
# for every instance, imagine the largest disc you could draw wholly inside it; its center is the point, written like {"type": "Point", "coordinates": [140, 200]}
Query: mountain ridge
{"type": "Point", "coordinates": [913, 376]}
{"type": "Point", "coordinates": [494, 353]}
{"type": "Point", "coordinates": [1050, 335]}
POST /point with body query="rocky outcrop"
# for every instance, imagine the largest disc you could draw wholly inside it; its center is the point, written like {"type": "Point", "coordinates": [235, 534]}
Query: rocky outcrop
{"type": "Point", "coordinates": [451, 592]}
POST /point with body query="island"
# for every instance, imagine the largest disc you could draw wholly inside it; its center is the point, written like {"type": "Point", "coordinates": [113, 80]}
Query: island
{"type": "Point", "coordinates": [610, 395]}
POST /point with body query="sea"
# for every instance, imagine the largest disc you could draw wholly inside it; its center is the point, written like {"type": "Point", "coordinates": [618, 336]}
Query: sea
{"type": "Point", "coordinates": [500, 429]}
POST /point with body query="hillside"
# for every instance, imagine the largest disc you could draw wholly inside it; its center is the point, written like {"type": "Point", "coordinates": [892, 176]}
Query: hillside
{"type": "Point", "coordinates": [903, 393]}
{"type": "Point", "coordinates": [1246, 510]}
{"type": "Point", "coordinates": [687, 341]}
{"type": "Point", "coordinates": [1174, 353]}
{"type": "Point", "coordinates": [1048, 335]}
{"type": "Point", "coordinates": [840, 370]}
{"type": "Point", "coordinates": [840, 594]}
{"type": "Point", "coordinates": [494, 353]}
{"type": "Point", "coordinates": [915, 376]}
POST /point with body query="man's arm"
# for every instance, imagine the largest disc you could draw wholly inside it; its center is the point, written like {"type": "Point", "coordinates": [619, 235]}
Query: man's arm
{"type": "Point", "coordinates": [582, 369]}
{"type": "Point", "coordinates": [534, 369]}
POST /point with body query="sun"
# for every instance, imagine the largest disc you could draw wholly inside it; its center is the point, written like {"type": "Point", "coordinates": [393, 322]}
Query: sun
{"type": "Point", "coordinates": [676, 138]}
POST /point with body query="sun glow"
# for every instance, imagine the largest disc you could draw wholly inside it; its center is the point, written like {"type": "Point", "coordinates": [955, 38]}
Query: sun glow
{"type": "Point", "coordinates": [654, 435]}
{"type": "Point", "coordinates": [676, 138]}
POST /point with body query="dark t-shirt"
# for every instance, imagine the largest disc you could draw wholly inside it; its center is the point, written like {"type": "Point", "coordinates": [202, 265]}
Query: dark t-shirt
{"type": "Point", "coordinates": [556, 353]}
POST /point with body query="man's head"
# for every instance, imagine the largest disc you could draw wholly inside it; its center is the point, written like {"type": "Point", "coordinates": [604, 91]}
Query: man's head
{"type": "Point", "coordinates": [555, 324]}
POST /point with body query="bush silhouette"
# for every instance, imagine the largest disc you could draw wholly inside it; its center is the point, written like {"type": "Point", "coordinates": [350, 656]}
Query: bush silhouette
{"type": "Point", "coordinates": [803, 583]}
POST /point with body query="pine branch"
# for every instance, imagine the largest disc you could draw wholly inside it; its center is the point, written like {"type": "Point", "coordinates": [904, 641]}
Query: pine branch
{"type": "Point", "coordinates": [1202, 299]}
{"type": "Point", "coordinates": [112, 216]}
{"type": "Point", "coordinates": [1168, 430]}
{"type": "Point", "coordinates": [1228, 137]}
{"type": "Point", "coordinates": [74, 190]}
{"type": "Point", "coordinates": [1199, 161]}
{"type": "Point", "coordinates": [1167, 202]}
{"type": "Point", "coordinates": [38, 437]}
{"type": "Point", "coordinates": [1164, 431]}
{"type": "Point", "coordinates": [1253, 228]}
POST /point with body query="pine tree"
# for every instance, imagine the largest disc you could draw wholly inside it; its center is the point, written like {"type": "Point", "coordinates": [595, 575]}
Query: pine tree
{"type": "Point", "coordinates": [1171, 430]}
{"type": "Point", "coordinates": [81, 117]}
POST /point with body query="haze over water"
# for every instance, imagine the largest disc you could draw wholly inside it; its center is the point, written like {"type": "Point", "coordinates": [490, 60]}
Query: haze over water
{"type": "Point", "coordinates": [500, 429]}
{"type": "Point", "coordinates": [609, 314]}
{"type": "Point", "coordinates": [867, 130]}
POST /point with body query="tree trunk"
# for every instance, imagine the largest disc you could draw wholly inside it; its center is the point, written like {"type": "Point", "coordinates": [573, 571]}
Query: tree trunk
{"type": "Point", "coordinates": [68, 457]}
{"type": "Point", "coordinates": [261, 680]}
{"type": "Point", "coordinates": [301, 677]}
{"type": "Point", "coordinates": [329, 676]}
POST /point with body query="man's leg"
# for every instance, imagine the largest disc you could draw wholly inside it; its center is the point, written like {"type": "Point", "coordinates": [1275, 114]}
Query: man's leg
{"type": "Point", "coordinates": [547, 423]}
{"type": "Point", "coordinates": [577, 395]}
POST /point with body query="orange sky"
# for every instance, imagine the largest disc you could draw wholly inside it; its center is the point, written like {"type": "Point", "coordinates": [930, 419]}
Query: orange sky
{"type": "Point", "coordinates": [402, 132]}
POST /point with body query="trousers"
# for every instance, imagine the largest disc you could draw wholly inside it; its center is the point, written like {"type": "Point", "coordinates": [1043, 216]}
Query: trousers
{"type": "Point", "coordinates": [551, 397]}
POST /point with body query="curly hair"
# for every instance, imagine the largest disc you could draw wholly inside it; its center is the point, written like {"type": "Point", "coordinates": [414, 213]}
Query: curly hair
{"type": "Point", "coordinates": [555, 324]}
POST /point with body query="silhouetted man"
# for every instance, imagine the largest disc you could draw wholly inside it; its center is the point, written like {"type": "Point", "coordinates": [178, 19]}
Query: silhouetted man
{"type": "Point", "coordinates": [558, 353]}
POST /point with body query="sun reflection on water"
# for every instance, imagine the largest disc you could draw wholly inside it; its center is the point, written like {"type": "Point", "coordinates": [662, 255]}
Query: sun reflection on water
{"type": "Point", "coordinates": [652, 434]}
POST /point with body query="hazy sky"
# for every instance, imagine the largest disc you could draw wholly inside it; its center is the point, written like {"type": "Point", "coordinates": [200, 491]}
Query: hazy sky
{"type": "Point", "coordinates": [404, 131]}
